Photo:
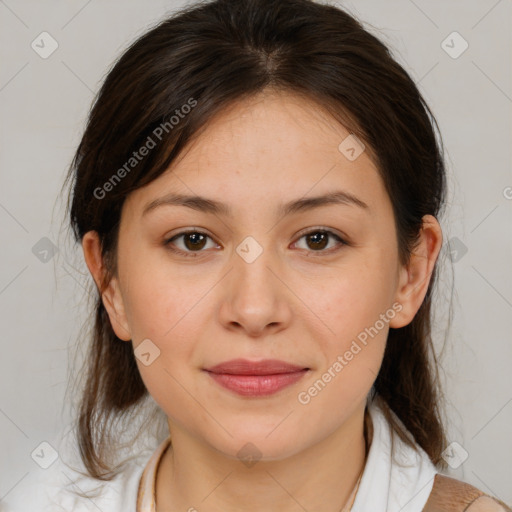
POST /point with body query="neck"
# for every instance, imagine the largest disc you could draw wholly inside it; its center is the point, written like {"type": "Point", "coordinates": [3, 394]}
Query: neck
{"type": "Point", "coordinates": [193, 476]}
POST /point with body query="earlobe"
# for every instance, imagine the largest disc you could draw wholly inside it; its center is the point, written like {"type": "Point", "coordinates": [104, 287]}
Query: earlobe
{"type": "Point", "coordinates": [414, 277]}
{"type": "Point", "coordinates": [111, 294]}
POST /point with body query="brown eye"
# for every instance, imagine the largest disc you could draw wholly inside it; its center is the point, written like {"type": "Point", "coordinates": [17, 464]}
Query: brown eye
{"type": "Point", "coordinates": [193, 242]}
{"type": "Point", "coordinates": [318, 240]}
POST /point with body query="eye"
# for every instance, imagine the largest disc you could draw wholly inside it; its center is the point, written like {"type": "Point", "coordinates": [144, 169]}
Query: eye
{"type": "Point", "coordinates": [318, 240]}
{"type": "Point", "coordinates": [193, 241]}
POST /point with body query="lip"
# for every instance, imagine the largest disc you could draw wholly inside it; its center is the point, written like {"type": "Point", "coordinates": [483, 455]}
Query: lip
{"type": "Point", "coordinates": [246, 367]}
{"type": "Point", "coordinates": [256, 378]}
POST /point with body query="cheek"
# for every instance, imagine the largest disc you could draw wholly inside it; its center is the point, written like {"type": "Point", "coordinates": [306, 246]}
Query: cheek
{"type": "Point", "coordinates": [357, 307]}
{"type": "Point", "coordinates": [157, 296]}
{"type": "Point", "coordinates": [357, 311]}
{"type": "Point", "coordinates": [168, 316]}
{"type": "Point", "coordinates": [355, 299]}
{"type": "Point", "coordinates": [165, 308]}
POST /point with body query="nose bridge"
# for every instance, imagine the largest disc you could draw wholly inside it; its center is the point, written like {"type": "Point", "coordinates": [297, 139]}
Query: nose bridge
{"type": "Point", "coordinates": [252, 270]}
{"type": "Point", "coordinates": [255, 297]}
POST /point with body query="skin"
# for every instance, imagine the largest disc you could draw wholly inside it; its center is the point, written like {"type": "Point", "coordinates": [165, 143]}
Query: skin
{"type": "Point", "coordinates": [298, 302]}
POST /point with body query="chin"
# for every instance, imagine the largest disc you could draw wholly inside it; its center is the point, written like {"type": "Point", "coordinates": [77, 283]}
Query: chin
{"type": "Point", "coordinates": [257, 445]}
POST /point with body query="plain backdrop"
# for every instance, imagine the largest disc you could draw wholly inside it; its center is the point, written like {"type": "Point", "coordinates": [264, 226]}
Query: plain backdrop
{"type": "Point", "coordinates": [43, 106]}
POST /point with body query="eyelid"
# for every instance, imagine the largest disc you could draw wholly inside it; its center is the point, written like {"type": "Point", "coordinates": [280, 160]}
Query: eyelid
{"type": "Point", "coordinates": [314, 229]}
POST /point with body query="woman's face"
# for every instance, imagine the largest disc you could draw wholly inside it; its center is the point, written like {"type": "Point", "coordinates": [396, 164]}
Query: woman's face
{"type": "Point", "coordinates": [252, 284]}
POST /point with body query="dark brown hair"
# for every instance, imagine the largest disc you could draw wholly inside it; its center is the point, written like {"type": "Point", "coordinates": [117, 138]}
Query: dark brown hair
{"type": "Point", "coordinates": [209, 55]}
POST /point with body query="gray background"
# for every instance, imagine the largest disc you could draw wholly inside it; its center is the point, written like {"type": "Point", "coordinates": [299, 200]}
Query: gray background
{"type": "Point", "coordinates": [44, 103]}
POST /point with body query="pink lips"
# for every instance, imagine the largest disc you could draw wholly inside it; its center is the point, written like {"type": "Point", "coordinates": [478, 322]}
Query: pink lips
{"type": "Point", "coordinates": [260, 378]}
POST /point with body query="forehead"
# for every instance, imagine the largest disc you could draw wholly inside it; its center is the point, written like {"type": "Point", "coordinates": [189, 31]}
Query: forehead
{"type": "Point", "coordinates": [273, 146]}
{"type": "Point", "coordinates": [278, 124]}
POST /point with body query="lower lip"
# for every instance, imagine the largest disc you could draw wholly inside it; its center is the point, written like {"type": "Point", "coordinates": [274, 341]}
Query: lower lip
{"type": "Point", "coordinates": [257, 385]}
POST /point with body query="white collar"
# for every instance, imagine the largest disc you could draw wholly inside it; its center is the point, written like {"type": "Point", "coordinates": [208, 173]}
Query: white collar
{"type": "Point", "coordinates": [396, 477]}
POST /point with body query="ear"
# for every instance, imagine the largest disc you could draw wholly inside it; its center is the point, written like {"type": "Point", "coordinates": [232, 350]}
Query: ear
{"type": "Point", "coordinates": [414, 277]}
{"type": "Point", "coordinates": [111, 295]}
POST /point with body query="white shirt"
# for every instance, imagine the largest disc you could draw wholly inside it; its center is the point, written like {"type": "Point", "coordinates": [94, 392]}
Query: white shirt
{"type": "Point", "coordinates": [399, 484]}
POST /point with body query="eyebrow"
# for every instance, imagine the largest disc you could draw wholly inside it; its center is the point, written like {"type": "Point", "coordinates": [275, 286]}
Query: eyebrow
{"type": "Point", "coordinates": [205, 205]}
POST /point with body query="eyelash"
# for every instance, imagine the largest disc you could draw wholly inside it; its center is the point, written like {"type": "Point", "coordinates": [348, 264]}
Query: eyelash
{"type": "Point", "coordinates": [169, 245]}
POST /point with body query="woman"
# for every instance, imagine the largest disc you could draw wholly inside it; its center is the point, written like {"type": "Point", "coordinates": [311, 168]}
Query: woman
{"type": "Point", "coordinates": [257, 195]}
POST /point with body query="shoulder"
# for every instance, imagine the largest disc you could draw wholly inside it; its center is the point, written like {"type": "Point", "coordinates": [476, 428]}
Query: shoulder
{"type": "Point", "coordinates": [487, 504]}
{"type": "Point", "coordinates": [452, 495]}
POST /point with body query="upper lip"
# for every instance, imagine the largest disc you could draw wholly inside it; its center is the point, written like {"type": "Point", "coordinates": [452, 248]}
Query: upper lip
{"type": "Point", "coordinates": [246, 367]}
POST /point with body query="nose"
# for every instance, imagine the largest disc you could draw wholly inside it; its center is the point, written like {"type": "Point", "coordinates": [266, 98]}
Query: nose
{"type": "Point", "coordinates": [255, 299]}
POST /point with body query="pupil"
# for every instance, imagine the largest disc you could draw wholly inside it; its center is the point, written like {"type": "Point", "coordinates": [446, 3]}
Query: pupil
{"type": "Point", "coordinates": [315, 238]}
{"type": "Point", "coordinates": [195, 238]}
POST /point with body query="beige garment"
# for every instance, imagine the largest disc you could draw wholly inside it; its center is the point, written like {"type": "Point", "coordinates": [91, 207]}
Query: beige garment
{"type": "Point", "coordinates": [146, 495]}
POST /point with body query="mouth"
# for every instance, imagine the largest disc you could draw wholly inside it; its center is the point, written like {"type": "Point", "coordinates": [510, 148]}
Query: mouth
{"type": "Point", "coordinates": [261, 378]}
